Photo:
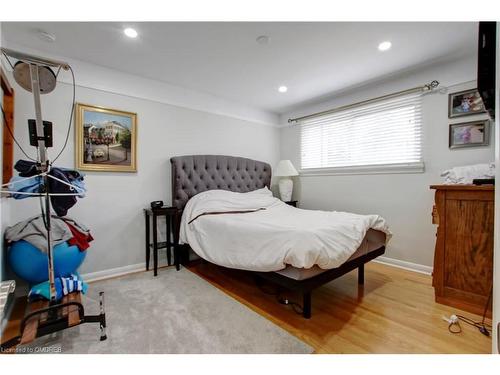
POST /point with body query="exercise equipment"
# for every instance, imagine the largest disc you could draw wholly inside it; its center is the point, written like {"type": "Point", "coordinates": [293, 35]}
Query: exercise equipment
{"type": "Point", "coordinates": [31, 264]}
{"type": "Point", "coordinates": [34, 74]}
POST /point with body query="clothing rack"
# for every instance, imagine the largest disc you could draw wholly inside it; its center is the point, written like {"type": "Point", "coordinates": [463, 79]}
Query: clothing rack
{"type": "Point", "coordinates": [45, 319]}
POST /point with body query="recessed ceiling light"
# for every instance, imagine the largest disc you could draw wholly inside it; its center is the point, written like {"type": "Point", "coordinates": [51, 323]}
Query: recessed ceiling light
{"type": "Point", "coordinates": [282, 89]}
{"type": "Point", "coordinates": [384, 46]}
{"type": "Point", "coordinates": [131, 33]}
{"type": "Point", "coordinates": [263, 39]}
{"type": "Point", "coordinates": [46, 36]}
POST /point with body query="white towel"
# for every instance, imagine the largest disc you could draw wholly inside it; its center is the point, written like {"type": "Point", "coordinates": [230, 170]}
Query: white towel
{"type": "Point", "coordinates": [467, 173]}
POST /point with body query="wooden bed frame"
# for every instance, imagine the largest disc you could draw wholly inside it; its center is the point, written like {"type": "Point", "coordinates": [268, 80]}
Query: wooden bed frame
{"type": "Point", "coordinates": [193, 174]}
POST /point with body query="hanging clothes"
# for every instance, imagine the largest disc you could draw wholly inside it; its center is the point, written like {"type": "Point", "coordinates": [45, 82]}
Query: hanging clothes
{"type": "Point", "coordinates": [26, 168]}
{"type": "Point", "coordinates": [60, 204]}
{"type": "Point", "coordinates": [64, 229]}
{"type": "Point", "coordinates": [23, 185]}
{"type": "Point", "coordinates": [81, 235]}
{"type": "Point", "coordinates": [33, 231]}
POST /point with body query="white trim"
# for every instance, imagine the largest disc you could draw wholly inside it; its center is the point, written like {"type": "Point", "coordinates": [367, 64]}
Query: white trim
{"type": "Point", "coordinates": [121, 271]}
{"type": "Point", "coordinates": [113, 272]}
{"type": "Point", "coordinates": [105, 79]}
{"type": "Point", "coordinates": [420, 268]}
{"type": "Point", "coordinates": [365, 169]}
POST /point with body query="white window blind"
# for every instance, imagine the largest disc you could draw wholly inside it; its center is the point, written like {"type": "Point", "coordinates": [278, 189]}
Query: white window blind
{"type": "Point", "coordinates": [386, 133]}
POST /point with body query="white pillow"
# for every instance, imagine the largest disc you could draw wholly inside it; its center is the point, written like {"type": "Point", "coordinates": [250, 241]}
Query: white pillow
{"type": "Point", "coordinates": [264, 191]}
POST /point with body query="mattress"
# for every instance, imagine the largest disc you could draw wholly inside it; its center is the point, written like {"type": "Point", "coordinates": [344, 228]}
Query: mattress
{"type": "Point", "coordinates": [256, 232]}
{"type": "Point", "coordinates": [373, 240]}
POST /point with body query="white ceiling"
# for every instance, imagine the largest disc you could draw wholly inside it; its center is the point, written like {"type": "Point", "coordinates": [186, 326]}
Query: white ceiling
{"type": "Point", "coordinates": [224, 59]}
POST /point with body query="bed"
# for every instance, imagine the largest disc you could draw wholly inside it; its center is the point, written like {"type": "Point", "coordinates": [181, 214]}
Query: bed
{"type": "Point", "coordinates": [215, 182]}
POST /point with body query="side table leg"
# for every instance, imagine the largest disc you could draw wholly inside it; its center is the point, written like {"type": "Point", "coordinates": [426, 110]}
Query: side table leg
{"type": "Point", "coordinates": [168, 221]}
{"type": "Point", "coordinates": [155, 245]}
{"type": "Point", "coordinates": [176, 258]}
{"type": "Point", "coordinates": [175, 229]}
{"type": "Point", "coordinates": [148, 248]}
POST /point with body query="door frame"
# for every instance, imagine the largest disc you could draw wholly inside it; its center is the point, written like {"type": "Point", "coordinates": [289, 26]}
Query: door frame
{"type": "Point", "coordinates": [7, 141]}
{"type": "Point", "coordinates": [496, 254]}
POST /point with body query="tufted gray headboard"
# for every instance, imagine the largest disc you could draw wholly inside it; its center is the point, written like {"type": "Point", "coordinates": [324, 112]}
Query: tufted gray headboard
{"type": "Point", "coordinates": [193, 174]}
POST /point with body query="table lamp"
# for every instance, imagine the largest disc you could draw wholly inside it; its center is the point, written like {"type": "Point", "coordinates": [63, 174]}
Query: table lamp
{"type": "Point", "coordinates": [285, 170]}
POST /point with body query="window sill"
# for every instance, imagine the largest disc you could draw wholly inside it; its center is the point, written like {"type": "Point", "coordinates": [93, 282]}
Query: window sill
{"type": "Point", "coordinates": [366, 169]}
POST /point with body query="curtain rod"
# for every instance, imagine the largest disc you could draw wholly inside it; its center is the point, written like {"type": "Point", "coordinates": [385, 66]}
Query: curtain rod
{"type": "Point", "coordinates": [426, 87]}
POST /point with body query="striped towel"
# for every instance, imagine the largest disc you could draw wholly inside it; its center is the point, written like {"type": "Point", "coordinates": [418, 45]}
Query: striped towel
{"type": "Point", "coordinates": [64, 286]}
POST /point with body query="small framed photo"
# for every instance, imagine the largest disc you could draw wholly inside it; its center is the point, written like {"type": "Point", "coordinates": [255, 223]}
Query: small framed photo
{"type": "Point", "coordinates": [465, 103]}
{"type": "Point", "coordinates": [105, 139]}
{"type": "Point", "coordinates": [470, 134]}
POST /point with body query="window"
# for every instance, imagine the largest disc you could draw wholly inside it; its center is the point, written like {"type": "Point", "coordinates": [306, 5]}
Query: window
{"type": "Point", "coordinates": [385, 135]}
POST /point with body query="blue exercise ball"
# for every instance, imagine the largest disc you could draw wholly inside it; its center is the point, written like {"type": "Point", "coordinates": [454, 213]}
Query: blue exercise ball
{"type": "Point", "coordinates": [31, 264]}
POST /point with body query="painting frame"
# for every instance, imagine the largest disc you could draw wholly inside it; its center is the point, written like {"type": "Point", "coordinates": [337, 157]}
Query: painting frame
{"type": "Point", "coordinates": [458, 97]}
{"type": "Point", "coordinates": [93, 154]}
{"type": "Point", "coordinates": [472, 125]}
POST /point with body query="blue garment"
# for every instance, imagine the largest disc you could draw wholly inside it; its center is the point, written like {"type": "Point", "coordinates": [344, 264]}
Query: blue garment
{"type": "Point", "coordinates": [77, 179]}
{"type": "Point", "coordinates": [21, 184]}
{"type": "Point", "coordinates": [64, 286]}
{"type": "Point", "coordinates": [61, 203]}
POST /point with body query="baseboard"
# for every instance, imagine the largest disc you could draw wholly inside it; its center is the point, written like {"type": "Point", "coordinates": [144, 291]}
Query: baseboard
{"type": "Point", "coordinates": [113, 272]}
{"type": "Point", "coordinates": [120, 271]}
{"type": "Point", "coordinates": [405, 265]}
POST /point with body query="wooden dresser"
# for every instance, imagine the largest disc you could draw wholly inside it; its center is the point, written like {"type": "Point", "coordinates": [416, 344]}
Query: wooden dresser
{"type": "Point", "coordinates": [463, 261]}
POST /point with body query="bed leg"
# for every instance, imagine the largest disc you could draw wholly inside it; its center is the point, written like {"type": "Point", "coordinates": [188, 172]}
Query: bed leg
{"type": "Point", "coordinates": [306, 308]}
{"type": "Point", "coordinates": [361, 274]}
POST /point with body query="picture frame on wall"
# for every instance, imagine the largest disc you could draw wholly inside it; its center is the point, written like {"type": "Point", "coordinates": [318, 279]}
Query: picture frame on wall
{"type": "Point", "coordinates": [469, 134]}
{"type": "Point", "coordinates": [465, 103]}
{"type": "Point", "coordinates": [106, 139]}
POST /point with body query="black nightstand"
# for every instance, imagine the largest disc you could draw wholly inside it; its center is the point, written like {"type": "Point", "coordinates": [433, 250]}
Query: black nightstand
{"type": "Point", "coordinates": [171, 219]}
{"type": "Point", "coordinates": [292, 203]}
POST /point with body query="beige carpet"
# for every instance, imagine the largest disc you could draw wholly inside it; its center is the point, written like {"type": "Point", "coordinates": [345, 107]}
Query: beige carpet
{"type": "Point", "coordinates": [175, 312]}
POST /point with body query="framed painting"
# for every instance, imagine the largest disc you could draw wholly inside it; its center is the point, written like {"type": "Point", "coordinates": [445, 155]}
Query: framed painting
{"type": "Point", "coordinates": [469, 134]}
{"type": "Point", "coordinates": [106, 139]}
{"type": "Point", "coordinates": [465, 103]}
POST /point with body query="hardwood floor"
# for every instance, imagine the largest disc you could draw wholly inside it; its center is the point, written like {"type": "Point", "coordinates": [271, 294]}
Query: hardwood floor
{"type": "Point", "coordinates": [394, 312]}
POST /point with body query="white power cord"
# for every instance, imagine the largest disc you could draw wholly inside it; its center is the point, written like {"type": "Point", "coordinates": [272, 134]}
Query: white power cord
{"type": "Point", "coordinates": [453, 319]}
{"type": "Point", "coordinates": [452, 322]}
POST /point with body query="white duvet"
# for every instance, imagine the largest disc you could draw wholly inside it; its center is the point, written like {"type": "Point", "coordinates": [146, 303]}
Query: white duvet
{"type": "Point", "coordinates": [255, 231]}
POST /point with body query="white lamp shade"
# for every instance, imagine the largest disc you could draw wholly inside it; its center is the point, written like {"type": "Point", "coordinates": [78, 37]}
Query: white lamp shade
{"type": "Point", "coordinates": [285, 168]}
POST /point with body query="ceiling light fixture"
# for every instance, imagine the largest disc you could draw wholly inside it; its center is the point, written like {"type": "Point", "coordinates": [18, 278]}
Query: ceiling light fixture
{"type": "Point", "coordinates": [384, 46]}
{"type": "Point", "coordinates": [263, 39]}
{"type": "Point", "coordinates": [131, 33]}
{"type": "Point", "coordinates": [282, 89]}
{"type": "Point", "coordinates": [46, 36]}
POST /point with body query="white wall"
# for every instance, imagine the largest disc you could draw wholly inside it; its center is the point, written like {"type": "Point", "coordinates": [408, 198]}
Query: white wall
{"type": "Point", "coordinates": [113, 206]}
{"type": "Point", "coordinates": [405, 200]}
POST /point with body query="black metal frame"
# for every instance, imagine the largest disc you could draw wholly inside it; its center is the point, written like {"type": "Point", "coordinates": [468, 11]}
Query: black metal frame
{"type": "Point", "coordinates": [56, 322]}
{"type": "Point", "coordinates": [306, 286]}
